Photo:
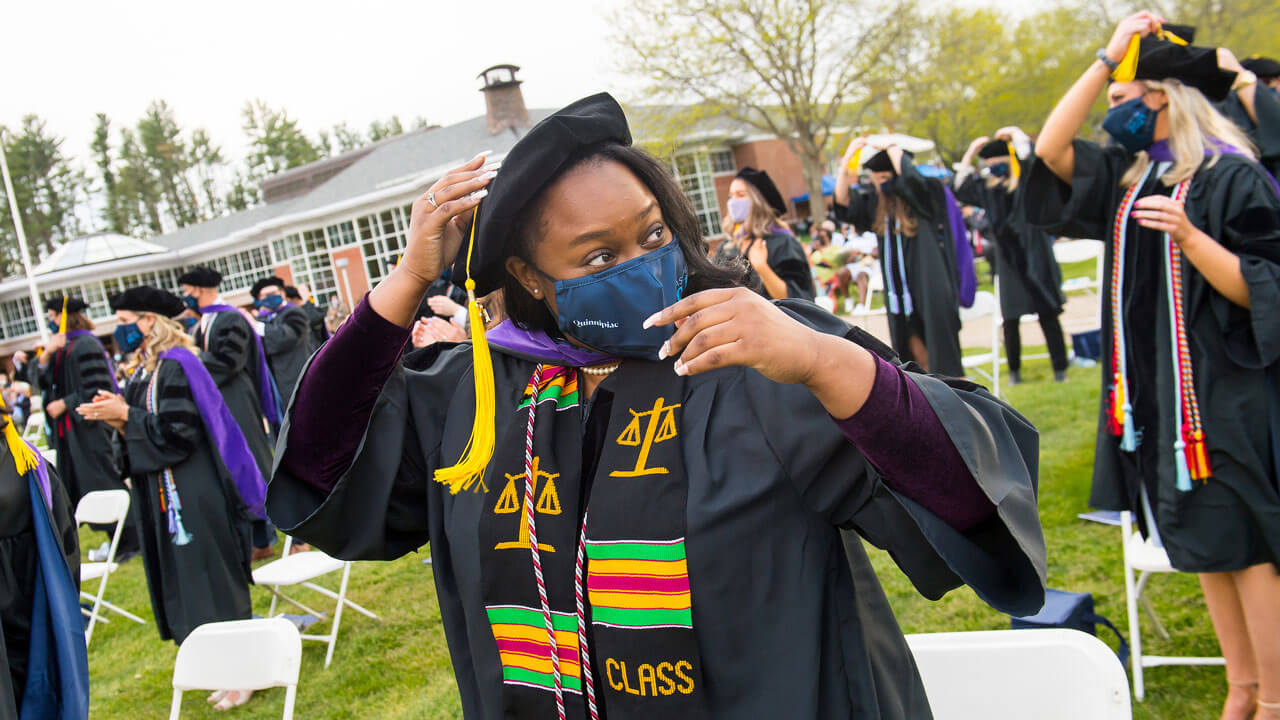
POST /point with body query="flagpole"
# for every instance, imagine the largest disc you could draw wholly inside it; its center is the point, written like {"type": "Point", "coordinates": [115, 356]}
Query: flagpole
{"type": "Point", "coordinates": [22, 243]}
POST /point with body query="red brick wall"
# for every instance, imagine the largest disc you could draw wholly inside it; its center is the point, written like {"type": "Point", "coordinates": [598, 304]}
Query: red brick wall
{"type": "Point", "coordinates": [776, 158]}
{"type": "Point", "coordinates": [355, 274]}
{"type": "Point", "coordinates": [285, 273]}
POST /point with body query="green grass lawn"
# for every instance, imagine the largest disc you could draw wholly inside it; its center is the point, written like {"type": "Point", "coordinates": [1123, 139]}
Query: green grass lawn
{"type": "Point", "coordinates": [399, 667]}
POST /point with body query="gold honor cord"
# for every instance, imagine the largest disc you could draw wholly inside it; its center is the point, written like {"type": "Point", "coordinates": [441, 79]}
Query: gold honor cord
{"type": "Point", "coordinates": [479, 450]}
{"type": "Point", "coordinates": [1127, 70]}
{"type": "Point", "coordinates": [1015, 168]}
{"type": "Point", "coordinates": [24, 459]}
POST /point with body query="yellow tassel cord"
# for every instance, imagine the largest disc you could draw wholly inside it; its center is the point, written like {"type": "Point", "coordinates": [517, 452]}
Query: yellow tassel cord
{"type": "Point", "coordinates": [23, 458]}
{"type": "Point", "coordinates": [1127, 70]}
{"type": "Point", "coordinates": [479, 451]}
{"type": "Point", "coordinates": [1014, 168]}
{"type": "Point", "coordinates": [855, 162]}
{"type": "Point", "coordinates": [62, 324]}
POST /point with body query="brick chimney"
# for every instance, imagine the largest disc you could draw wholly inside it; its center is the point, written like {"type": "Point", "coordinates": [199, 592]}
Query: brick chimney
{"type": "Point", "coordinates": [503, 100]}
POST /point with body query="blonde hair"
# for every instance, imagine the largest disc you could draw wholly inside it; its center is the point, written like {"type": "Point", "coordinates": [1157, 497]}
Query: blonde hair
{"type": "Point", "coordinates": [761, 220]}
{"type": "Point", "coordinates": [1194, 126]}
{"type": "Point", "coordinates": [165, 334]}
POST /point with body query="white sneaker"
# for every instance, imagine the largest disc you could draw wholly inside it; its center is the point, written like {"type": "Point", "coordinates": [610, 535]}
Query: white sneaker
{"type": "Point", "coordinates": [100, 553]}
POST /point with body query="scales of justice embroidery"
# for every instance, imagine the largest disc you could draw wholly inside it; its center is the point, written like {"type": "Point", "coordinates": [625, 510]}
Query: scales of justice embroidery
{"type": "Point", "coordinates": [509, 504]}
{"type": "Point", "coordinates": [661, 426]}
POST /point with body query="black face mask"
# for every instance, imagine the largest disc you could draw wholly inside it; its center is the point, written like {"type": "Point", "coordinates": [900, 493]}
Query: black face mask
{"type": "Point", "coordinates": [888, 187]}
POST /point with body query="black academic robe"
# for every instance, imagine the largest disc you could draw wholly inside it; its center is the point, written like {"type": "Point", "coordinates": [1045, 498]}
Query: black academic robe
{"type": "Point", "coordinates": [287, 342]}
{"type": "Point", "coordinates": [790, 620]}
{"type": "Point", "coordinates": [86, 460]}
{"type": "Point", "coordinates": [786, 258]}
{"type": "Point", "coordinates": [1231, 520]}
{"type": "Point", "coordinates": [1265, 133]}
{"type": "Point", "coordinates": [206, 579]}
{"type": "Point", "coordinates": [1030, 278]}
{"type": "Point", "coordinates": [929, 260]}
{"type": "Point", "coordinates": [230, 354]}
{"type": "Point", "coordinates": [18, 558]}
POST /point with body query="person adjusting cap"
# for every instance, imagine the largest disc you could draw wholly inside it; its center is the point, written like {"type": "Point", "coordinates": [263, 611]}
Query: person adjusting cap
{"type": "Point", "coordinates": [201, 276]}
{"type": "Point", "coordinates": [1169, 55]}
{"type": "Point", "coordinates": [880, 162]}
{"type": "Point", "coordinates": [532, 162]}
{"type": "Point", "coordinates": [145, 298]}
{"type": "Point", "coordinates": [761, 181]}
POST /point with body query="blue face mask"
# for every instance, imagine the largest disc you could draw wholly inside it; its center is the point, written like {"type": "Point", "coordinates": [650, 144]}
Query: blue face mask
{"type": "Point", "coordinates": [188, 322]}
{"type": "Point", "coordinates": [606, 311]}
{"type": "Point", "coordinates": [270, 302]}
{"type": "Point", "coordinates": [1132, 124]}
{"type": "Point", "coordinates": [191, 302]}
{"type": "Point", "coordinates": [128, 337]}
{"type": "Point", "coordinates": [53, 326]}
{"type": "Point", "coordinates": [1000, 170]}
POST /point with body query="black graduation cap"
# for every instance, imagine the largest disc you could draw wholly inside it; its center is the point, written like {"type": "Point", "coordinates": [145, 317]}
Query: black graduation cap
{"type": "Point", "coordinates": [1168, 54]}
{"type": "Point", "coordinates": [146, 298]}
{"type": "Point", "coordinates": [537, 159]}
{"type": "Point", "coordinates": [762, 182]}
{"type": "Point", "coordinates": [74, 304]}
{"type": "Point", "coordinates": [1263, 67]}
{"type": "Point", "coordinates": [994, 149]}
{"type": "Point", "coordinates": [201, 277]}
{"type": "Point", "coordinates": [880, 162]}
{"type": "Point", "coordinates": [264, 283]}
{"type": "Point", "coordinates": [292, 293]}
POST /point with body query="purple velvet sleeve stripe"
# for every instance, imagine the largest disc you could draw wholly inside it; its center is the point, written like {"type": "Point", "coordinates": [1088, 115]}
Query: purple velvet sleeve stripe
{"type": "Point", "coordinates": [336, 396]}
{"type": "Point", "coordinates": [920, 462]}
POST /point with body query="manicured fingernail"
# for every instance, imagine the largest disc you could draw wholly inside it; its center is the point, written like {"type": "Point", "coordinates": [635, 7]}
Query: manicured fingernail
{"type": "Point", "coordinates": [492, 166]}
{"type": "Point", "coordinates": [680, 368]}
{"type": "Point", "coordinates": [480, 193]}
{"type": "Point", "coordinates": [648, 323]}
{"type": "Point", "coordinates": [489, 175]}
{"type": "Point", "coordinates": [664, 350]}
{"type": "Point", "coordinates": [483, 153]}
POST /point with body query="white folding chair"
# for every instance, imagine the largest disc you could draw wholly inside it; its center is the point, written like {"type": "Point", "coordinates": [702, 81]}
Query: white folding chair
{"type": "Point", "coordinates": [301, 569]}
{"type": "Point", "coordinates": [103, 507]}
{"type": "Point", "coordinates": [240, 655]}
{"type": "Point", "coordinates": [985, 304]}
{"type": "Point", "coordinates": [1142, 558]}
{"type": "Point", "coordinates": [34, 427]}
{"type": "Point", "coordinates": [1044, 674]}
{"type": "Point", "coordinates": [1074, 251]}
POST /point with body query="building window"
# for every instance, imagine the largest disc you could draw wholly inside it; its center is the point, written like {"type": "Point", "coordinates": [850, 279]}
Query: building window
{"type": "Point", "coordinates": [694, 171]}
{"type": "Point", "coordinates": [722, 162]}
{"type": "Point", "coordinates": [239, 270]}
{"type": "Point", "coordinates": [344, 233]}
{"type": "Point", "coordinates": [383, 237]}
{"type": "Point", "coordinates": [308, 257]}
{"type": "Point", "coordinates": [17, 317]}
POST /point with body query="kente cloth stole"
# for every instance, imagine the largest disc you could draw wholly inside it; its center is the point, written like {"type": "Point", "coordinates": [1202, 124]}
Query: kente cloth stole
{"type": "Point", "coordinates": [1191, 453]}
{"type": "Point", "coordinates": [567, 578]}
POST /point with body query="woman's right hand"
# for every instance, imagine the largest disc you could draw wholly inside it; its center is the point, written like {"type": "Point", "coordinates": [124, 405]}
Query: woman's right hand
{"type": "Point", "coordinates": [1141, 24]}
{"type": "Point", "coordinates": [854, 145]}
{"type": "Point", "coordinates": [436, 230]}
{"type": "Point", "coordinates": [973, 149]}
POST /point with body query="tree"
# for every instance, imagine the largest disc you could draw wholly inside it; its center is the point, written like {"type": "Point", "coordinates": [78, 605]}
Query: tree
{"type": "Point", "coordinates": [112, 214]}
{"type": "Point", "coordinates": [276, 142]}
{"type": "Point", "coordinates": [379, 130]}
{"type": "Point", "coordinates": [48, 188]}
{"type": "Point", "coordinates": [791, 69]}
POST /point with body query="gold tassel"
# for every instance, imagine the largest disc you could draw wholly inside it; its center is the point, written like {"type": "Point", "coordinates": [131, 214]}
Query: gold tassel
{"type": "Point", "coordinates": [855, 162]}
{"type": "Point", "coordinates": [23, 458]}
{"type": "Point", "coordinates": [1128, 67]}
{"type": "Point", "coordinates": [1014, 167]}
{"type": "Point", "coordinates": [479, 451]}
{"type": "Point", "coordinates": [62, 324]}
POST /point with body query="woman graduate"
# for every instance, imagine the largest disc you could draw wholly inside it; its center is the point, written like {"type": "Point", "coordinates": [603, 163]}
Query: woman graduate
{"type": "Point", "coordinates": [1030, 279]}
{"type": "Point", "coordinates": [182, 450]}
{"type": "Point", "coordinates": [44, 665]}
{"type": "Point", "coordinates": [908, 213]}
{"type": "Point", "coordinates": [1190, 410]}
{"type": "Point", "coordinates": [618, 533]}
{"type": "Point", "coordinates": [755, 231]}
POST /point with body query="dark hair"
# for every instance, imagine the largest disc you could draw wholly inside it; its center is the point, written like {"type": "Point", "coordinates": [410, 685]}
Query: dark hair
{"type": "Point", "coordinates": [78, 321]}
{"type": "Point", "coordinates": [292, 293]}
{"type": "Point", "coordinates": [532, 314]}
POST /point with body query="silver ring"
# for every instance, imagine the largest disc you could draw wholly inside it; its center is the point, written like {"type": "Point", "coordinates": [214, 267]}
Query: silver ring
{"type": "Point", "coordinates": [431, 198]}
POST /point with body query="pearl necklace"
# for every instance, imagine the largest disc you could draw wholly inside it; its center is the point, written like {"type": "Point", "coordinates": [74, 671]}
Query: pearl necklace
{"type": "Point", "coordinates": [601, 369]}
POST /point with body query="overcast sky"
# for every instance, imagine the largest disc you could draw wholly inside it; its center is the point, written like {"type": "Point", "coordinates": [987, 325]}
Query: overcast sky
{"type": "Point", "coordinates": [325, 62]}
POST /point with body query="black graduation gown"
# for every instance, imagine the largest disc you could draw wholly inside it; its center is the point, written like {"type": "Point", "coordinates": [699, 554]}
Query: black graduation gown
{"type": "Point", "coordinates": [230, 354]}
{"type": "Point", "coordinates": [929, 259]}
{"type": "Point", "coordinates": [1231, 520]}
{"type": "Point", "coordinates": [789, 617]}
{"type": "Point", "coordinates": [287, 342]}
{"type": "Point", "coordinates": [786, 258]}
{"type": "Point", "coordinates": [18, 558]}
{"type": "Point", "coordinates": [86, 460]}
{"type": "Point", "coordinates": [207, 579]}
{"type": "Point", "coordinates": [1030, 278]}
{"type": "Point", "coordinates": [1265, 133]}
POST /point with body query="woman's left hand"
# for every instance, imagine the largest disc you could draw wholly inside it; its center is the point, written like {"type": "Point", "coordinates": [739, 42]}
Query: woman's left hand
{"type": "Point", "coordinates": [735, 326]}
{"type": "Point", "coordinates": [1166, 215]}
{"type": "Point", "coordinates": [758, 253]}
{"type": "Point", "coordinates": [107, 407]}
